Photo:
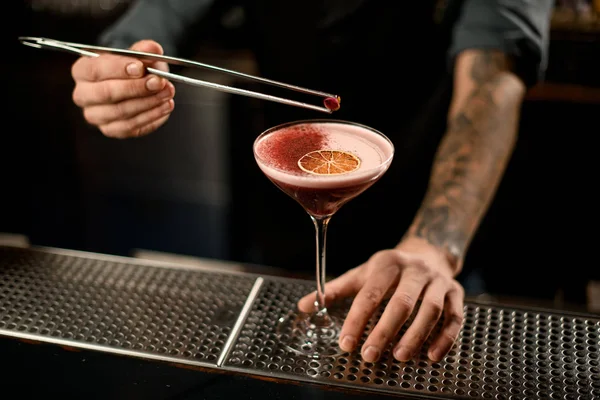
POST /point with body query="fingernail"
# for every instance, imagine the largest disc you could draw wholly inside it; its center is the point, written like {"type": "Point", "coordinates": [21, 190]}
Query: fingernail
{"type": "Point", "coordinates": [164, 94]}
{"type": "Point", "coordinates": [371, 354]}
{"type": "Point", "coordinates": [402, 354]}
{"type": "Point", "coordinates": [153, 84]}
{"type": "Point", "coordinates": [134, 69]}
{"type": "Point", "coordinates": [348, 343]}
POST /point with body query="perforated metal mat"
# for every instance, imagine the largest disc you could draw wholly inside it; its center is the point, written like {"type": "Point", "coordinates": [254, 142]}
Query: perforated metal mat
{"type": "Point", "coordinates": [118, 306]}
{"type": "Point", "coordinates": [227, 321]}
{"type": "Point", "coordinates": [501, 353]}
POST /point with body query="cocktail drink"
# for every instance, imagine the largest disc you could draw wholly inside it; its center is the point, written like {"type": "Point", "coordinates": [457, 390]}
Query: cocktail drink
{"type": "Point", "coordinates": [322, 164]}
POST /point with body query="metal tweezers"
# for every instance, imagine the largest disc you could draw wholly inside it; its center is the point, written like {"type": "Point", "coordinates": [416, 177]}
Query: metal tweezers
{"type": "Point", "coordinates": [88, 50]}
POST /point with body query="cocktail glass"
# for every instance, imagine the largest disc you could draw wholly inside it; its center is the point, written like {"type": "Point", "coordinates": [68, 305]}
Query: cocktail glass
{"type": "Point", "coordinates": [322, 164]}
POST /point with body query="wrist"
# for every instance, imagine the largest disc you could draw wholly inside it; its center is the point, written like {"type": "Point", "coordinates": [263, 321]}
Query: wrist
{"type": "Point", "coordinates": [451, 254]}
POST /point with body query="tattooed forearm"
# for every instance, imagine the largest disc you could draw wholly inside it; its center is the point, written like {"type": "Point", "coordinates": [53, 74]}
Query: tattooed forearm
{"type": "Point", "coordinates": [473, 154]}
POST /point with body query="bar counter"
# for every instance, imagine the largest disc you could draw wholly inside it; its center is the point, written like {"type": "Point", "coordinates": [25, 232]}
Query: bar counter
{"type": "Point", "coordinates": [86, 325]}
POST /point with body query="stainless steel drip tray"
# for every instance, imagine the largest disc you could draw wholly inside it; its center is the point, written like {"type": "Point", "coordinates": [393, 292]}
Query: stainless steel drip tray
{"type": "Point", "coordinates": [501, 353]}
{"type": "Point", "coordinates": [119, 305]}
{"type": "Point", "coordinates": [227, 321]}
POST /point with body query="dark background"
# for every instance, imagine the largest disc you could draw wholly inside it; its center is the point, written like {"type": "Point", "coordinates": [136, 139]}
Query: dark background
{"type": "Point", "coordinates": [65, 185]}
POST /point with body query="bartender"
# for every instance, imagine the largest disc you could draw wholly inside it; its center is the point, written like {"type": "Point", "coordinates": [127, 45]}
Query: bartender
{"type": "Point", "coordinates": [444, 80]}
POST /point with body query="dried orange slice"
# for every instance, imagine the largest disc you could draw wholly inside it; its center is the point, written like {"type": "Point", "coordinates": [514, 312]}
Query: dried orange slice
{"type": "Point", "coordinates": [328, 162]}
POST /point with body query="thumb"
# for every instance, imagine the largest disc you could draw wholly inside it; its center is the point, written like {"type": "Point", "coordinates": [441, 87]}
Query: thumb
{"type": "Point", "coordinates": [346, 285]}
{"type": "Point", "coordinates": [150, 46]}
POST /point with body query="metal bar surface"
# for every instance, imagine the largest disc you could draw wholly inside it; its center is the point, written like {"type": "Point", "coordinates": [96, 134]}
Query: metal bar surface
{"type": "Point", "coordinates": [501, 353]}
{"type": "Point", "coordinates": [119, 305]}
{"type": "Point", "coordinates": [226, 321]}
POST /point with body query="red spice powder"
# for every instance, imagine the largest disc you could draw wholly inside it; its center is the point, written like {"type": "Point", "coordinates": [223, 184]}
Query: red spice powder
{"type": "Point", "coordinates": [283, 149]}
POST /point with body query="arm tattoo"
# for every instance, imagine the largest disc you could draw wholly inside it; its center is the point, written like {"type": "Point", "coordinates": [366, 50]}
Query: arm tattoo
{"type": "Point", "coordinates": [470, 159]}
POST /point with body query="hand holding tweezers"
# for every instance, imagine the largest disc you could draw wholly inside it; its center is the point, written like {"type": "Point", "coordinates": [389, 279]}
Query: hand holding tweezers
{"type": "Point", "coordinates": [330, 100]}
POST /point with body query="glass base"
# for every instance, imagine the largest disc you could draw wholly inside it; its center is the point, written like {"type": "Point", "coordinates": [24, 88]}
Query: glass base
{"type": "Point", "coordinates": [313, 335]}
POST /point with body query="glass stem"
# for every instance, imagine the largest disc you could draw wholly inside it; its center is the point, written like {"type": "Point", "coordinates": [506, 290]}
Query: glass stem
{"type": "Point", "coordinates": [321, 236]}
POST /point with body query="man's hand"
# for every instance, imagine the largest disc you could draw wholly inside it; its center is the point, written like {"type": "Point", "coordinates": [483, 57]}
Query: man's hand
{"type": "Point", "coordinates": [116, 95]}
{"type": "Point", "coordinates": [413, 270]}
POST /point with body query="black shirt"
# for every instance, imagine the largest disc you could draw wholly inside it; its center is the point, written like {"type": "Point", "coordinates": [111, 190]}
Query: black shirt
{"type": "Point", "coordinates": [391, 62]}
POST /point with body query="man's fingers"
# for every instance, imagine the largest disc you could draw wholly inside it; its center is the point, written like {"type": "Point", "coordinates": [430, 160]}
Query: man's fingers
{"type": "Point", "coordinates": [427, 317]}
{"type": "Point", "coordinates": [141, 124]}
{"type": "Point", "coordinates": [345, 285]}
{"type": "Point", "coordinates": [115, 91]}
{"type": "Point", "coordinates": [147, 46]}
{"type": "Point", "coordinates": [112, 66]}
{"type": "Point", "coordinates": [150, 46]}
{"type": "Point", "coordinates": [453, 320]}
{"type": "Point", "coordinates": [397, 311]}
{"type": "Point", "coordinates": [107, 113]}
{"type": "Point", "coordinates": [365, 304]}
{"type": "Point", "coordinates": [106, 67]}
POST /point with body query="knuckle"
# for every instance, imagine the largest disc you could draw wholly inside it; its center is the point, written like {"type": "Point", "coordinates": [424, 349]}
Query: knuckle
{"type": "Point", "coordinates": [436, 306]}
{"type": "Point", "coordinates": [373, 296]}
{"type": "Point", "coordinates": [146, 129]}
{"type": "Point", "coordinates": [378, 255]}
{"type": "Point", "coordinates": [127, 88]}
{"type": "Point", "coordinates": [402, 303]}
{"type": "Point", "coordinates": [135, 87]}
{"type": "Point", "coordinates": [379, 337]}
{"type": "Point", "coordinates": [419, 336]}
{"type": "Point", "coordinates": [158, 111]}
{"type": "Point", "coordinates": [418, 280]}
{"type": "Point", "coordinates": [136, 132]}
{"type": "Point", "coordinates": [93, 71]}
{"type": "Point", "coordinates": [382, 257]}
{"type": "Point", "coordinates": [154, 125]}
{"type": "Point", "coordinates": [455, 318]}
{"type": "Point", "coordinates": [75, 71]}
{"type": "Point", "coordinates": [420, 266]}
{"type": "Point", "coordinates": [105, 92]}
{"type": "Point", "coordinates": [448, 337]}
{"type": "Point", "coordinates": [152, 102]}
{"type": "Point", "coordinates": [428, 327]}
{"type": "Point", "coordinates": [106, 131]}
{"type": "Point", "coordinates": [424, 270]}
{"type": "Point", "coordinates": [332, 295]}
{"type": "Point", "coordinates": [131, 128]}
{"type": "Point", "coordinates": [119, 111]}
{"type": "Point", "coordinates": [458, 288]}
{"type": "Point", "coordinates": [78, 68]}
{"type": "Point", "coordinates": [405, 300]}
{"type": "Point", "coordinates": [76, 96]}
{"type": "Point", "coordinates": [417, 339]}
{"type": "Point", "coordinates": [89, 116]}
